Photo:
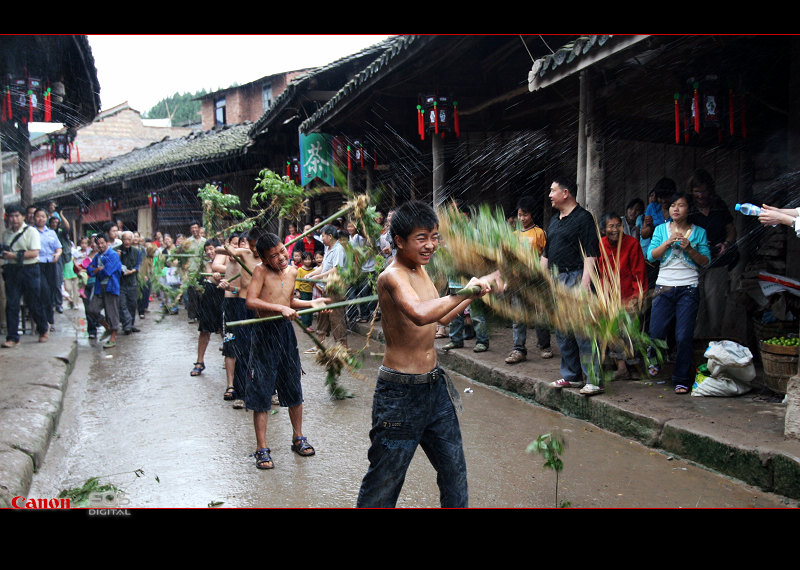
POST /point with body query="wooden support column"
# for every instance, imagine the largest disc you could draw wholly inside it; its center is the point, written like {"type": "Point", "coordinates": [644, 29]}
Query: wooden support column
{"type": "Point", "coordinates": [595, 159]}
{"type": "Point", "coordinates": [26, 187]}
{"type": "Point", "coordinates": [437, 153]}
{"type": "Point", "coordinates": [580, 175]}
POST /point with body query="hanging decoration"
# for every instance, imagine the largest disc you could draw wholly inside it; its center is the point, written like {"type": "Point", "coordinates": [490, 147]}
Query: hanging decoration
{"type": "Point", "coordinates": [437, 114]}
{"type": "Point", "coordinates": [706, 111]}
{"type": "Point", "coordinates": [26, 98]}
{"type": "Point", "coordinates": [60, 145]}
{"type": "Point", "coordinates": [293, 169]}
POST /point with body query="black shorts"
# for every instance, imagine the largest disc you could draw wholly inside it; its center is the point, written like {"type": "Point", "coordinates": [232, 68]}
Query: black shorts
{"type": "Point", "coordinates": [210, 308]}
{"type": "Point", "coordinates": [235, 340]}
{"type": "Point", "coordinates": [274, 364]}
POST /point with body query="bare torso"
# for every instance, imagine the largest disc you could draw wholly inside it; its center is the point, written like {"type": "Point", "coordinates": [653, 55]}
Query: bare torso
{"type": "Point", "coordinates": [409, 347]}
{"type": "Point", "coordinates": [276, 287]}
{"type": "Point", "coordinates": [233, 267]}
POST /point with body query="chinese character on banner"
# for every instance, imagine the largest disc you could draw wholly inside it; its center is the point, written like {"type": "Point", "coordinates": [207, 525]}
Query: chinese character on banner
{"type": "Point", "coordinates": [316, 158]}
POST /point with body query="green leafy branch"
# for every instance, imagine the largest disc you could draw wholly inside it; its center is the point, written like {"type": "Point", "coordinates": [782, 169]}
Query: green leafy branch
{"type": "Point", "coordinates": [550, 446]}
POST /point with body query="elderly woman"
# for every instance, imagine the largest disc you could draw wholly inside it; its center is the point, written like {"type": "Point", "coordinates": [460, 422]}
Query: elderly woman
{"type": "Point", "coordinates": [621, 261]}
{"type": "Point", "coordinates": [682, 248]}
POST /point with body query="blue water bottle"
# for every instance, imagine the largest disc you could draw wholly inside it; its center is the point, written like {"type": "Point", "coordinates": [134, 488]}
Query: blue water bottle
{"type": "Point", "coordinates": [748, 209]}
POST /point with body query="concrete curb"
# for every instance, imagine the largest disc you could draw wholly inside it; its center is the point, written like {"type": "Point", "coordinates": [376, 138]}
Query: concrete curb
{"type": "Point", "coordinates": [31, 405]}
{"type": "Point", "coordinates": [759, 456]}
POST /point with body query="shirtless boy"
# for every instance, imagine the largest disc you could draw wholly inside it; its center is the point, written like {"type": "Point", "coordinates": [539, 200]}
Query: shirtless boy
{"type": "Point", "coordinates": [274, 358]}
{"type": "Point", "coordinates": [236, 343]}
{"type": "Point", "coordinates": [415, 402]}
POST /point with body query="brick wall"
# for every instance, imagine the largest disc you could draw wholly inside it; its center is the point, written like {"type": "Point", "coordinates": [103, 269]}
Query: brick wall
{"type": "Point", "coordinates": [244, 103]}
{"type": "Point", "coordinates": [119, 133]}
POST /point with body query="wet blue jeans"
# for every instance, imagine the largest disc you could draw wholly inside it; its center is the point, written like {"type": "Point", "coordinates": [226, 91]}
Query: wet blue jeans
{"type": "Point", "coordinates": [405, 416]}
{"type": "Point", "coordinates": [577, 355]}
{"type": "Point", "coordinates": [680, 303]}
{"type": "Point", "coordinates": [519, 332]}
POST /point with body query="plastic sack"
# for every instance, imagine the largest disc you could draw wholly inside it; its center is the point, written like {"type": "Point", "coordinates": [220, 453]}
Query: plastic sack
{"type": "Point", "coordinates": [731, 360]}
{"type": "Point", "coordinates": [717, 387]}
{"type": "Point", "coordinates": [728, 372]}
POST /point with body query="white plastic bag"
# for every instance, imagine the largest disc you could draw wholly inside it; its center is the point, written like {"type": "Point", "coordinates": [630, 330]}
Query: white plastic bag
{"type": "Point", "coordinates": [731, 360]}
{"type": "Point", "coordinates": [730, 370]}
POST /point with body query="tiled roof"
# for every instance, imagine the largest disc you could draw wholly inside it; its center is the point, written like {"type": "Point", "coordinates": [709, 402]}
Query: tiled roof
{"type": "Point", "coordinates": [294, 88]}
{"type": "Point", "coordinates": [394, 47]}
{"type": "Point", "coordinates": [167, 155]}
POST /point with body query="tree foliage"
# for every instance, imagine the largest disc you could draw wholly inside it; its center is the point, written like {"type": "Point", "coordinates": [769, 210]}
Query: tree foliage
{"type": "Point", "coordinates": [183, 108]}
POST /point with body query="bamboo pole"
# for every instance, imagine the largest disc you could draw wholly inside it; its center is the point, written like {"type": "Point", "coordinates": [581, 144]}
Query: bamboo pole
{"type": "Point", "coordinates": [324, 222]}
{"type": "Point", "coordinates": [368, 299]}
{"type": "Point", "coordinates": [228, 280]}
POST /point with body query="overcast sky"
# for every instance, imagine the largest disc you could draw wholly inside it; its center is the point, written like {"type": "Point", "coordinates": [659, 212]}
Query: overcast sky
{"type": "Point", "coordinates": [142, 69]}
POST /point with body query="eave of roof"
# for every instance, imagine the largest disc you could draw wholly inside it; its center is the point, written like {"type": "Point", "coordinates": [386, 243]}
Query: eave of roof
{"type": "Point", "coordinates": [576, 56]}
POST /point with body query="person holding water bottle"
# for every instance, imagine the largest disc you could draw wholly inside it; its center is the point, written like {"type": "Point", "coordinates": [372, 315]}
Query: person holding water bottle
{"type": "Point", "coordinates": [772, 216]}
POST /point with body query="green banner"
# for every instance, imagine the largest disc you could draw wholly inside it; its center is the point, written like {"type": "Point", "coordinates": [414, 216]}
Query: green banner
{"type": "Point", "coordinates": [316, 158]}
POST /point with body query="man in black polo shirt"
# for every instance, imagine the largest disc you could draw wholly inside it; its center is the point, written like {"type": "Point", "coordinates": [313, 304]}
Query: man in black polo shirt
{"type": "Point", "coordinates": [572, 233]}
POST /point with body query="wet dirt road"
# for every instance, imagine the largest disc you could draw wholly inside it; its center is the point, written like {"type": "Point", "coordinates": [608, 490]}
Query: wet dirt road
{"type": "Point", "coordinates": [135, 407]}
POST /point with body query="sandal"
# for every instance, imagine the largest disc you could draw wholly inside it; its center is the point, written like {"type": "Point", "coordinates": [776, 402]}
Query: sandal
{"type": "Point", "coordinates": [198, 368]}
{"type": "Point", "coordinates": [263, 458]}
{"type": "Point", "coordinates": [301, 446]}
{"type": "Point", "coordinates": [653, 370]}
{"type": "Point", "coordinates": [230, 393]}
{"type": "Point", "coordinates": [681, 389]}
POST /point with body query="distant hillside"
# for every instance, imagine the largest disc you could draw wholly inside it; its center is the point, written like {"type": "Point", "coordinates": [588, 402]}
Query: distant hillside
{"type": "Point", "coordinates": [180, 107]}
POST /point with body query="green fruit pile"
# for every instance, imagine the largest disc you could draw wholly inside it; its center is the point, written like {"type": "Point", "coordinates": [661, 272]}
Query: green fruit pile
{"type": "Point", "coordinates": [783, 341]}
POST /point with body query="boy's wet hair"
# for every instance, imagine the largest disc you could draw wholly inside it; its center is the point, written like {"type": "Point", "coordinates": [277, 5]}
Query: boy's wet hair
{"type": "Point", "coordinates": [266, 241]}
{"type": "Point", "coordinates": [526, 204]}
{"type": "Point", "coordinates": [213, 241]}
{"type": "Point", "coordinates": [410, 215]}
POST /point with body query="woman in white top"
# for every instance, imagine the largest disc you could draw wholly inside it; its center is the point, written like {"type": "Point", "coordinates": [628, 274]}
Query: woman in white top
{"type": "Point", "coordinates": [682, 249]}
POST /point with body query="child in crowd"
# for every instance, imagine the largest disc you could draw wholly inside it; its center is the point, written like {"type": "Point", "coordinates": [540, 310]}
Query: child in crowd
{"type": "Point", "coordinates": [305, 289]}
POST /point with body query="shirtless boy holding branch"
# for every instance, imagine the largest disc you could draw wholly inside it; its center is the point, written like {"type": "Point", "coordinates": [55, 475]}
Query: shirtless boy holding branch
{"type": "Point", "coordinates": [415, 402]}
{"type": "Point", "coordinates": [274, 358]}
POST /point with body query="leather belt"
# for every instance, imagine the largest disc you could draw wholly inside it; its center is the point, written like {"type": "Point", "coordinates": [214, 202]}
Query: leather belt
{"type": "Point", "coordinates": [401, 378]}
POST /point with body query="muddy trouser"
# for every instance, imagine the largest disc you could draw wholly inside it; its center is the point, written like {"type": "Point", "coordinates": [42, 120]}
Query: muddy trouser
{"type": "Point", "coordinates": [577, 357]}
{"type": "Point", "coordinates": [333, 322]}
{"type": "Point", "coordinates": [128, 294]}
{"type": "Point", "coordinates": [274, 366]}
{"type": "Point", "coordinates": [409, 411]}
{"type": "Point", "coordinates": [108, 304]}
{"type": "Point", "coordinates": [22, 282]}
{"type": "Point", "coordinates": [236, 341]}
